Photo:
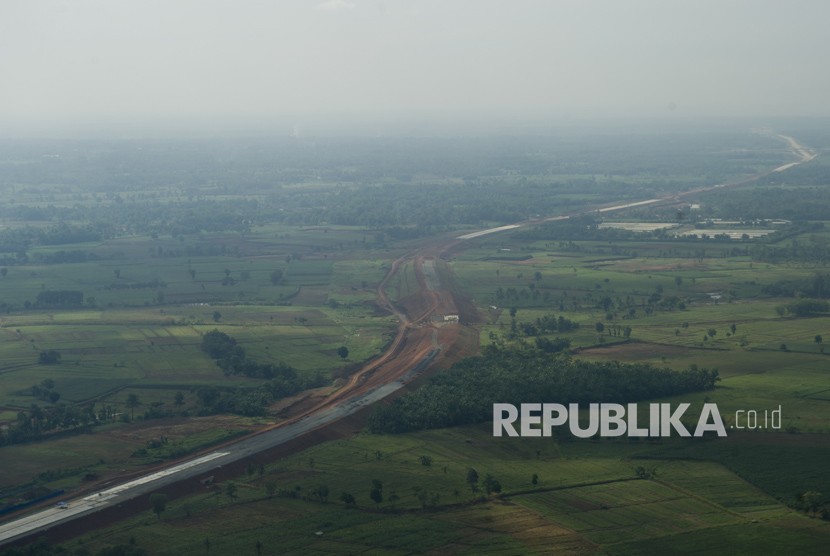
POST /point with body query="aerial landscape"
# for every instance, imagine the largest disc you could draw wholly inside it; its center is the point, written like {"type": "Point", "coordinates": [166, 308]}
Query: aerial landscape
{"type": "Point", "coordinates": [376, 278]}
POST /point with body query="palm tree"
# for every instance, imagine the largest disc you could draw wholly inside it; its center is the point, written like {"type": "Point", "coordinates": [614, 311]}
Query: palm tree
{"type": "Point", "coordinates": [132, 401]}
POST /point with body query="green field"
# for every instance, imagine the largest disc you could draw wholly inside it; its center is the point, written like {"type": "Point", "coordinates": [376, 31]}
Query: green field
{"type": "Point", "coordinates": [586, 501]}
{"type": "Point", "coordinates": [586, 498]}
{"type": "Point", "coordinates": [147, 304]}
{"type": "Point", "coordinates": [287, 261]}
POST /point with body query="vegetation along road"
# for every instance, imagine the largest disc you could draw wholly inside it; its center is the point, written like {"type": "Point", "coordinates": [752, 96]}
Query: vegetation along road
{"type": "Point", "coordinates": [430, 321]}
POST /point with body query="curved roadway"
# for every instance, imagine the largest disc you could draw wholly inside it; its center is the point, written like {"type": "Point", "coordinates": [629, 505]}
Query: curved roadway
{"type": "Point", "coordinates": [412, 350]}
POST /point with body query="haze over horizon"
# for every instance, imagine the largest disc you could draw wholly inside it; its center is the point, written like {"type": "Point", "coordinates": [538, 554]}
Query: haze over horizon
{"type": "Point", "coordinates": [91, 64]}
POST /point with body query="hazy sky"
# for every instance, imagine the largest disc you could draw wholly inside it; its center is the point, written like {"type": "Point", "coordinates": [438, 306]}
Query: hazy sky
{"type": "Point", "coordinates": [125, 61]}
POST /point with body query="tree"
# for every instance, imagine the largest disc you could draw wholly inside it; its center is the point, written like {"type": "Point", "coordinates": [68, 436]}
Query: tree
{"type": "Point", "coordinates": [132, 402]}
{"type": "Point", "coordinates": [343, 352]}
{"type": "Point", "coordinates": [599, 327]}
{"type": "Point", "coordinates": [376, 495]}
{"type": "Point", "coordinates": [158, 502]}
{"type": "Point", "coordinates": [733, 327]}
{"type": "Point", "coordinates": [219, 345]}
{"type": "Point", "coordinates": [276, 277]}
{"type": "Point", "coordinates": [535, 479]}
{"type": "Point", "coordinates": [607, 303]}
{"type": "Point", "coordinates": [50, 357]}
{"type": "Point", "coordinates": [491, 484]}
{"type": "Point", "coordinates": [179, 399]}
{"type": "Point", "coordinates": [472, 479]}
{"type": "Point", "coordinates": [810, 501]}
{"type": "Point", "coordinates": [270, 488]}
{"type": "Point", "coordinates": [323, 493]}
{"type": "Point", "coordinates": [117, 272]}
{"type": "Point", "coordinates": [4, 271]}
{"type": "Point", "coordinates": [818, 339]}
{"type": "Point", "coordinates": [230, 490]}
{"type": "Point", "coordinates": [808, 307]}
{"type": "Point", "coordinates": [426, 461]}
{"type": "Point", "coordinates": [217, 316]}
{"type": "Point", "coordinates": [712, 332]}
{"type": "Point", "coordinates": [348, 499]}
{"type": "Point", "coordinates": [60, 298]}
{"type": "Point", "coordinates": [645, 472]}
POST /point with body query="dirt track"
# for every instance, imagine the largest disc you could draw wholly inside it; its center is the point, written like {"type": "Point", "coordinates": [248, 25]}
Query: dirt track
{"type": "Point", "coordinates": [421, 331]}
{"type": "Point", "coordinates": [423, 341]}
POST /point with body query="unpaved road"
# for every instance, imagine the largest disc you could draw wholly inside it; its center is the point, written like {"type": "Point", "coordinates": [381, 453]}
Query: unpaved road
{"type": "Point", "coordinates": [417, 344]}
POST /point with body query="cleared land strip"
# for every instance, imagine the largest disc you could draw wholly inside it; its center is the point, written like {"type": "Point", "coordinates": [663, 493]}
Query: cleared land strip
{"type": "Point", "coordinates": [412, 350]}
{"type": "Point", "coordinates": [373, 382]}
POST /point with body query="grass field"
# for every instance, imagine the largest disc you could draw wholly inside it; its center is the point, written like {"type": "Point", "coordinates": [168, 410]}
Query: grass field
{"type": "Point", "coordinates": [764, 359]}
{"type": "Point", "coordinates": [147, 303]}
{"type": "Point", "coordinates": [586, 501]}
{"type": "Point", "coordinates": [685, 303]}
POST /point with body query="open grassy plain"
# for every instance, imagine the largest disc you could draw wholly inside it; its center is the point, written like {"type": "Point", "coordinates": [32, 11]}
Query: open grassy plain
{"type": "Point", "coordinates": [586, 500]}
{"type": "Point", "coordinates": [293, 294]}
{"type": "Point", "coordinates": [566, 496]}
{"type": "Point", "coordinates": [134, 345]}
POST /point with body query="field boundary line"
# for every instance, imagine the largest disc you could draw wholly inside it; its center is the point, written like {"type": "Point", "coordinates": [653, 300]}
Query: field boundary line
{"type": "Point", "coordinates": [566, 487]}
{"type": "Point", "coordinates": [699, 498]}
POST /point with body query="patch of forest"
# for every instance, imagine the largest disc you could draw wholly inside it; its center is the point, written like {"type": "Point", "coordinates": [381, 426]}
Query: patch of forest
{"type": "Point", "coordinates": [466, 393]}
{"type": "Point", "coordinates": [111, 189]}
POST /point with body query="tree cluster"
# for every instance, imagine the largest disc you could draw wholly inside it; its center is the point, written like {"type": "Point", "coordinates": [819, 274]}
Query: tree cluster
{"type": "Point", "coordinates": [817, 286]}
{"type": "Point", "coordinates": [231, 358]}
{"type": "Point", "coordinates": [45, 391]}
{"type": "Point", "coordinates": [466, 393]}
{"type": "Point", "coordinates": [49, 357]}
{"type": "Point", "coordinates": [547, 324]}
{"type": "Point", "coordinates": [807, 307]}
{"type": "Point", "coordinates": [39, 421]}
{"type": "Point", "coordinates": [59, 298]}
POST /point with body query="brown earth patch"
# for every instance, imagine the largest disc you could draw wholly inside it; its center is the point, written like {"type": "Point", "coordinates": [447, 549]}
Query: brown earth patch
{"type": "Point", "coordinates": [467, 310]}
{"type": "Point", "coordinates": [298, 404]}
{"type": "Point", "coordinates": [412, 345]}
{"type": "Point", "coordinates": [415, 304]}
{"type": "Point", "coordinates": [460, 342]}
